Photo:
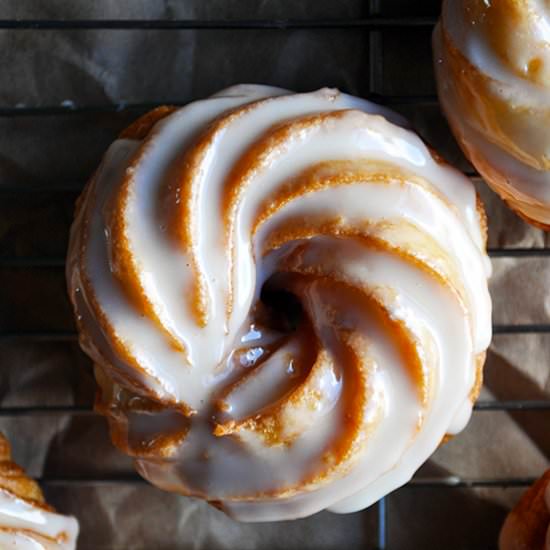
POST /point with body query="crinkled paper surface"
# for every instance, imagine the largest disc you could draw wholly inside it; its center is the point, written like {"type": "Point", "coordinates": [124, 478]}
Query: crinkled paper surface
{"type": "Point", "coordinates": [58, 153]}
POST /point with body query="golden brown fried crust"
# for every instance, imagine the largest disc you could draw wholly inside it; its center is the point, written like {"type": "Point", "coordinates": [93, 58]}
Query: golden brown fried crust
{"type": "Point", "coordinates": [494, 179]}
{"type": "Point", "coordinates": [478, 383]}
{"type": "Point", "coordinates": [482, 215]}
{"type": "Point", "coordinates": [527, 524]}
{"type": "Point", "coordinates": [531, 221]}
{"type": "Point", "coordinates": [144, 124]}
{"type": "Point", "coordinates": [14, 479]}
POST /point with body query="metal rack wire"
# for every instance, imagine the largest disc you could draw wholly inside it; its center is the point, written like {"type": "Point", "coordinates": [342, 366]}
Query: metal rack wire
{"type": "Point", "coordinates": [374, 24]}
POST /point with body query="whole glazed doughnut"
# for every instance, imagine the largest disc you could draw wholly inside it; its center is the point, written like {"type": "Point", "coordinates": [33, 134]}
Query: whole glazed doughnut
{"type": "Point", "coordinates": [527, 526]}
{"type": "Point", "coordinates": [285, 296]}
{"type": "Point", "coordinates": [492, 63]}
{"type": "Point", "coordinates": [26, 521]}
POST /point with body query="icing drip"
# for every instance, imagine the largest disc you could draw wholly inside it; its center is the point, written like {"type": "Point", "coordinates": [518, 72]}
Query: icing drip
{"type": "Point", "coordinates": [285, 296]}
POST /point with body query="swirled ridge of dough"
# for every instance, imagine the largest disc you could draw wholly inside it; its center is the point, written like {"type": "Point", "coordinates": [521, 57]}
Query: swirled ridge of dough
{"type": "Point", "coordinates": [26, 525]}
{"type": "Point", "coordinates": [197, 223]}
{"type": "Point", "coordinates": [492, 62]}
{"type": "Point", "coordinates": [26, 521]}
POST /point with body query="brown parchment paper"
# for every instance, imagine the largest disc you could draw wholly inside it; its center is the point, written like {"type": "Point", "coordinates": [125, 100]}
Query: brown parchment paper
{"type": "Point", "coordinates": [40, 68]}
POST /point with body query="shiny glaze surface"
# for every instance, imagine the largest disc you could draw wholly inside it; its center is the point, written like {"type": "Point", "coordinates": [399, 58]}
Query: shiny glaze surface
{"type": "Point", "coordinates": [285, 296]}
{"type": "Point", "coordinates": [26, 521]}
{"type": "Point", "coordinates": [492, 62]}
{"type": "Point", "coordinates": [28, 525]}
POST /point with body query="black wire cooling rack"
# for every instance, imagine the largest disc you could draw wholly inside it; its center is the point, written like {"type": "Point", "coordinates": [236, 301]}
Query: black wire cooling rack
{"type": "Point", "coordinates": [374, 24]}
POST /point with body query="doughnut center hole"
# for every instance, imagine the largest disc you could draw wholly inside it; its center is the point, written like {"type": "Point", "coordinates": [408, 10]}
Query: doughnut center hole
{"type": "Point", "coordinates": [283, 309]}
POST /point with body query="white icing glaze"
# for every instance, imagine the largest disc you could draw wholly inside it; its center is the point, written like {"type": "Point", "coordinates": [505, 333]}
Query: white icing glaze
{"type": "Point", "coordinates": [531, 40]}
{"type": "Point", "coordinates": [421, 208]}
{"type": "Point", "coordinates": [27, 526]}
{"type": "Point", "coordinates": [519, 172]}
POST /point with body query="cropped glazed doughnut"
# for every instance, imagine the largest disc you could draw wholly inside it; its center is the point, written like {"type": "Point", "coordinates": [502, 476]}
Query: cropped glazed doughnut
{"type": "Point", "coordinates": [285, 296]}
{"type": "Point", "coordinates": [527, 526]}
{"type": "Point", "coordinates": [492, 63]}
{"type": "Point", "coordinates": [26, 521]}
